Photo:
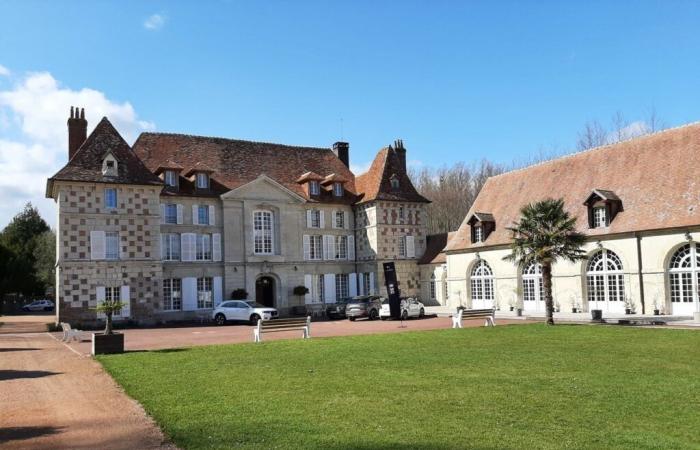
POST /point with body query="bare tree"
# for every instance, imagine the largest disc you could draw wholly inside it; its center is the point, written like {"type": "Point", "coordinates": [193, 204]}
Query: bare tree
{"type": "Point", "coordinates": [592, 135]}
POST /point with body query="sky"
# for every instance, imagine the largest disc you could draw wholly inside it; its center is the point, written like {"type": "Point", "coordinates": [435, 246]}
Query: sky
{"type": "Point", "coordinates": [457, 81]}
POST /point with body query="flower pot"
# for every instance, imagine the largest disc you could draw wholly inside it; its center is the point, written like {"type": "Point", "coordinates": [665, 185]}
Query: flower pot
{"type": "Point", "coordinates": [628, 311]}
{"type": "Point", "coordinates": [512, 308]}
{"type": "Point", "coordinates": [107, 343]}
{"type": "Point", "coordinates": [657, 312]}
{"type": "Point", "coordinates": [573, 310]}
{"type": "Point", "coordinates": [597, 315]}
{"type": "Point", "coordinates": [518, 312]}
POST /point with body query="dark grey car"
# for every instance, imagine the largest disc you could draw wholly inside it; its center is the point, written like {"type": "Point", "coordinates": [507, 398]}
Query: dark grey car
{"type": "Point", "coordinates": [364, 306]}
{"type": "Point", "coordinates": [337, 309]}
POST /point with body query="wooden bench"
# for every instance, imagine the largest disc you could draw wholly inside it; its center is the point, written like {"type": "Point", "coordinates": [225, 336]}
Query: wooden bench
{"type": "Point", "coordinates": [271, 326]}
{"type": "Point", "coordinates": [464, 314]}
{"type": "Point", "coordinates": [71, 333]}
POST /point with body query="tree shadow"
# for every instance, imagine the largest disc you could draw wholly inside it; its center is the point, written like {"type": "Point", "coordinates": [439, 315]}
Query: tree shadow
{"type": "Point", "coordinates": [15, 374]}
{"type": "Point", "coordinates": [21, 433]}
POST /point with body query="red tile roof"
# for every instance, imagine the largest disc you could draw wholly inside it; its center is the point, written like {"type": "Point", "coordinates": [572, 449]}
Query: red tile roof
{"type": "Point", "coordinates": [86, 164]}
{"type": "Point", "coordinates": [236, 162]}
{"type": "Point", "coordinates": [434, 248]}
{"type": "Point", "coordinates": [375, 184]}
{"type": "Point", "coordinates": [655, 177]}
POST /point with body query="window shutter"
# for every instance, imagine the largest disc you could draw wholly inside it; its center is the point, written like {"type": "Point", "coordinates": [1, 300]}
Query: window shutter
{"type": "Point", "coordinates": [212, 215]}
{"type": "Point", "coordinates": [329, 287]}
{"type": "Point", "coordinates": [371, 283]}
{"type": "Point", "coordinates": [124, 297]}
{"type": "Point", "coordinates": [179, 214]}
{"type": "Point", "coordinates": [321, 219]}
{"type": "Point", "coordinates": [308, 283]}
{"type": "Point", "coordinates": [162, 213]}
{"type": "Point", "coordinates": [307, 247]}
{"type": "Point", "coordinates": [361, 277]}
{"type": "Point", "coordinates": [163, 237]}
{"type": "Point", "coordinates": [189, 294]}
{"type": "Point", "coordinates": [216, 246]}
{"type": "Point", "coordinates": [195, 215]}
{"type": "Point", "coordinates": [218, 291]}
{"type": "Point", "coordinates": [334, 223]}
{"type": "Point", "coordinates": [410, 247]}
{"type": "Point", "coordinates": [308, 218]}
{"type": "Point", "coordinates": [97, 245]}
{"type": "Point", "coordinates": [351, 248]}
{"type": "Point", "coordinates": [188, 250]}
{"type": "Point", "coordinates": [329, 246]}
{"type": "Point", "coordinates": [352, 284]}
{"type": "Point", "coordinates": [100, 294]}
{"type": "Point", "coordinates": [346, 220]}
{"type": "Point", "coordinates": [473, 233]}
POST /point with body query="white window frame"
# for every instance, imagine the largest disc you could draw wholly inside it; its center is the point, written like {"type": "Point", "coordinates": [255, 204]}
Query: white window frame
{"type": "Point", "coordinates": [315, 247]}
{"type": "Point", "coordinates": [205, 293]}
{"type": "Point", "coordinates": [482, 282]}
{"type": "Point", "coordinates": [171, 178]}
{"type": "Point", "coordinates": [339, 219]}
{"type": "Point", "coordinates": [315, 216]}
{"type": "Point", "coordinates": [113, 237]}
{"type": "Point", "coordinates": [314, 187]}
{"type": "Point", "coordinates": [605, 279]}
{"type": "Point", "coordinates": [203, 215]}
{"type": "Point", "coordinates": [171, 241]}
{"type": "Point", "coordinates": [478, 233]}
{"type": "Point", "coordinates": [402, 246]}
{"type": "Point", "coordinates": [107, 197]}
{"type": "Point", "coordinates": [320, 288]}
{"type": "Point", "coordinates": [684, 277]}
{"type": "Point", "coordinates": [342, 286]}
{"type": "Point", "coordinates": [338, 189]}
{"type": "Point", "coordinates": [600, 217]}
{"type": "Point", "coordinates": [202, 180]}
{"type": "Point", "coordinates": [172, 294]}
{"type": "Point", "coordinates": [265, 235]}
{"type": "Point", "coordinates": [341, 247]}
{"type": "Point", "coordinates": [167, 208]}
{"type": "Point", "coordinates": [203, 247]}
{"type": "Point", "coordinates": [432, 287]}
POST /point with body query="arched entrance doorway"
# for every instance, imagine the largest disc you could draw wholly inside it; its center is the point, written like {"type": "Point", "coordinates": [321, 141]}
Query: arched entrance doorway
{"type": "Point", "coordinates": [605, 282]}
{"type": "Point", "coordinates": [265, 291]}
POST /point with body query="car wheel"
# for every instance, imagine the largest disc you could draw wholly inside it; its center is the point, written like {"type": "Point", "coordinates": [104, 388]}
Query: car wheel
{"type": "Point", "coordinates": [404, 315]}
{"type": "Point", "coordinates": [220, 319]}
{"type": "Point", "coordinates": [254, 319]}
{"type": "Point", "coordinates": [351, 319]}
{"type": "Point", "coordinates": [422, 313]}
{"type": "Point", "coordinates": [373, 315]}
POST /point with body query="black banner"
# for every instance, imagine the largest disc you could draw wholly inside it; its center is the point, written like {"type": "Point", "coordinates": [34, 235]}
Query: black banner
{"type": "Point", "coordinates": [392, 290]}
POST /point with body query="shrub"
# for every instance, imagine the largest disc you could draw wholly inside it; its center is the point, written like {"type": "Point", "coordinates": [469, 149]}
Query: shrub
{"type": "Point", "coordinates": [300, 291]}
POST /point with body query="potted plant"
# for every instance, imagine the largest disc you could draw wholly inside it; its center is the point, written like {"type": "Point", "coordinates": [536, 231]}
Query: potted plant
{"type": "Point", "coordinates": [108, 341]}
{"type": "Point", "coordinates": [656, 306]}
{"type": "Point", "coordinates": [300, 291]}
{"type": "Point", "coordinates": [239, 294]}
{"type": "Point", "coordinates": [629, 308]}
{"type": "Point", "coordinates": [513, 304]}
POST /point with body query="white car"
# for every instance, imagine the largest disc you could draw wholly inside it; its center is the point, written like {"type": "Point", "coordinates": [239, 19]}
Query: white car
{"type": "Point", "coordinates": [242, 311]}
{"type": "Point", "coordinates": [410, 307]}
{"type": "Point", "coordinates": [38, 305]}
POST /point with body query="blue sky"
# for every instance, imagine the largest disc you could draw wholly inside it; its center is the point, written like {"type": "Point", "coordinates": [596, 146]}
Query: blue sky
{"type": "Point", "coordinates": [457, 81]}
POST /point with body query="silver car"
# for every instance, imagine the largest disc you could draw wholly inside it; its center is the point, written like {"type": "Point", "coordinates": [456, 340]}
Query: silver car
{"type": "Point", "coordinates": [38, 305]}
{"type": "Point", "coordinates": [410, 307]}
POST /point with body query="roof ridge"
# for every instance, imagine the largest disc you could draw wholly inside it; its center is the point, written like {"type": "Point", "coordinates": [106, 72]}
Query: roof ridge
{"type": "Point", "coordinates": [598, 148]}
{"type": "Point", "coordinates": [159, 133]}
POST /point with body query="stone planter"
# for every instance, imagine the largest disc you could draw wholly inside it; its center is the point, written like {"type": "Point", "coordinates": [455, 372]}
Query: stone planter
{"type": "Point", "coordinates": [597, 315]}
{"type": "Point", "coordinates": [103, 344]}
{"type": "Point", "coordinates": [696, 316]}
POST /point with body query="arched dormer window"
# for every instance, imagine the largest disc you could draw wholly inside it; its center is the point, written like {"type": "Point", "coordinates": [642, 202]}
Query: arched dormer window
{"type": "Point", "coordinates": [482, 225]}
{"type": "Point", "coordinates": [603, 206]}
{"type": "Point", "coordinates": [394, 181]}
{"type": "Point", "coordinates": [110, 166]}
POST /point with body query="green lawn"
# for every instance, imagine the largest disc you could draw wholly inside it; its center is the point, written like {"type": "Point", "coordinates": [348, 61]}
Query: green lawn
{"type": "Point", "coordinates": [521, 386]}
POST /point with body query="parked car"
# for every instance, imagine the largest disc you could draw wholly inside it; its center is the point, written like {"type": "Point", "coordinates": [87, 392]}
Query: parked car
{"type": "Point", "coordinates": [364, 306]}
{"type": "Point", "coordinates": [410, 307]}
{"type": "Point", "coordinates": [240, 310]}
{"type": "Point", "coordinates": [38, 305]}
{"type": "Point", "coordinates": [337, 310]}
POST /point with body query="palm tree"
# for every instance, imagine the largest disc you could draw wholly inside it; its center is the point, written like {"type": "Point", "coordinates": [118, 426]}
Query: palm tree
{"type": "Point", "coordinates": [545, 234]}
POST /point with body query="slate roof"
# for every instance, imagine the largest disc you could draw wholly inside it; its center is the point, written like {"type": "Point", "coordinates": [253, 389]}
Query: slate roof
{"type": "Point", "coordinates": [86, 164]}
{"type": "Point", "coordinates": [236, 162]}
{"type": "Point", "coordinates": [434, 248]}
{"type": "Point", "coordinates": [375, 184]}
{"type": "Point", "coordinates": [655, 177]}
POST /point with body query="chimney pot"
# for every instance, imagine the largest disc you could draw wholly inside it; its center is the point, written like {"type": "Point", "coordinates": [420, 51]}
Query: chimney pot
{"type": "Point", "coordinates": [342, 151]}
{"type": "Point", "coordinates": [77, 130]}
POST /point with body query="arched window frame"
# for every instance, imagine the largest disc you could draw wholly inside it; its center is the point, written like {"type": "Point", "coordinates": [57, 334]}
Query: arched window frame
{"type": "Point", "coordinates": [605, 277]}
{"type": "Point", "coordinates": [482, 281]}
{"type": "Point", "coordinates": [533, 288]}
{"type": "Point", "coordinates": [684, 274]}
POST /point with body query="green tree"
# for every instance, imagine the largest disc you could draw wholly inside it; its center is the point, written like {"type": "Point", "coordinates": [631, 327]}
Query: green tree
{"type": "Point", "coordinates": [545, 234]}
{"type": "Point", "coordinates": [45, 258]}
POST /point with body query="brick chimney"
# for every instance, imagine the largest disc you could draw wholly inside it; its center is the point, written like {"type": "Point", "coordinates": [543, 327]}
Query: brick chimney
{"type": "Point", "coordinates": [342, 151]}
{"type": "Point", "coordinates": [77, 130]}
{"type": "Point", "coordinates": [400, 153]}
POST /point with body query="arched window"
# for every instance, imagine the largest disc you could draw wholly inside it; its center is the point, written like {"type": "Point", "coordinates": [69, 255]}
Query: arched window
{"type": "Point", "coordinates": [533, 293]}
{"type": "Point", "coordinates": [605, 281]}
{"type": "Point", "coordinates": [684, 278]}
{"type": "Point", "coordinates": [482, 285]}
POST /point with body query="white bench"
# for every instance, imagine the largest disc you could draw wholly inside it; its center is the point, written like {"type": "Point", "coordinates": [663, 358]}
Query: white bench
{"type": "Point", "coordinates": [271, 326]}
{"type": "Point", "coordinates": [71, 333]}
{"type": "Point", "coordinates": [464, 314]}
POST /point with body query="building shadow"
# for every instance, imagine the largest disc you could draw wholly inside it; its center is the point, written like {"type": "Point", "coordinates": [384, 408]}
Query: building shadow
{"type": "Point", "coordinates": [17, 349]}
{"type": "Point", "coordinates": [22, 433]}
{"type": "Point", "coordinates": [16, 374]}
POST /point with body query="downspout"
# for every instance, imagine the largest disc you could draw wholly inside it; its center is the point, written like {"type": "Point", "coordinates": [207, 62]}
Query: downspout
{"type": "Point", "coordinates": [640, 271]}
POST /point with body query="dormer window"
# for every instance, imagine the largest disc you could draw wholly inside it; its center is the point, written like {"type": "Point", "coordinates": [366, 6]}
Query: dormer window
{"type": "Point", "coordinates": [394, 180]}
{"type": "Point", "coordinates": [171, 178]}
{"type": "Point", "coordinates": [314, 187]}
{"type": "Point", "coordinates": [202, 180]}
{"type": "Point", "coordinates": [109, 166]}
{"type": "Point", "coordinates": [482, 225]}
{"type": "Point", "coordinates": [603, 205]}
{"type": "Point", "coordinates": [338, 189]}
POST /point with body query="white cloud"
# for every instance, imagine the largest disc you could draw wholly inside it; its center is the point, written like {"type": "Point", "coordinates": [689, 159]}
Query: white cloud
{"type": "Point", "coordinates": [359, 169]}
{"type": "Point", "coordinates": [34, 136]}
{"type": "Point", "coordinates": [632, 130]}
{"type": "Point", "coordinates": [4, 71]}
{"type": "Point", "coordinates": [155, 22]}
